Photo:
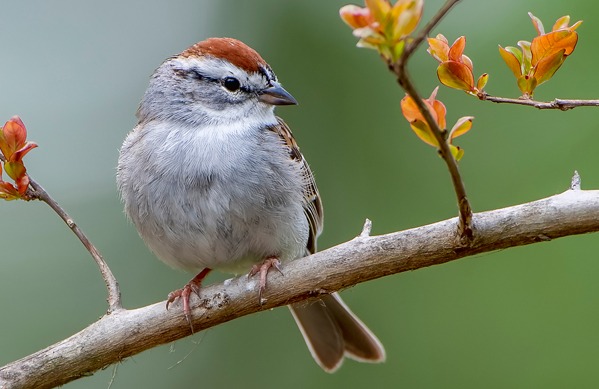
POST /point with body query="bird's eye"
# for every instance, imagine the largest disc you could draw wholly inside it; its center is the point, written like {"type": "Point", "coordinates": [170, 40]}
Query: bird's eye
{"type": "Point", "coordinates": [232, 84]}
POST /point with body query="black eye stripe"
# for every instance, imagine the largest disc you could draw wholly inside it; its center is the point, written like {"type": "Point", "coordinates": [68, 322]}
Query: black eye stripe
{"type": "Point", "coordinates": [197, 75]}
{"type": "Point", "coordinates": [192, 73]}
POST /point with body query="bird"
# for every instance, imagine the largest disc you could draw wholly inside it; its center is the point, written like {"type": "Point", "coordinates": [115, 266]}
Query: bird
{"type": "Point", "coordinates": [212, 179]}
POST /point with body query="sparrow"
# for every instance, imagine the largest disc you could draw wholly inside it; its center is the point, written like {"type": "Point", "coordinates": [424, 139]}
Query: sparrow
{"type": "Point", "coordinates": [213, 179]}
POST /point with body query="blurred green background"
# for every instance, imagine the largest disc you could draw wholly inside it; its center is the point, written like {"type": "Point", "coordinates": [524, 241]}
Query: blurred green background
{"type": "Point", "coordinates": [521, 318]}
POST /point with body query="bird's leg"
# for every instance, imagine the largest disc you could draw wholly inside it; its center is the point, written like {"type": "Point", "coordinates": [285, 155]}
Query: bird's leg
{"type": "Point", "coordinates": [184, 293]}
{"type": "Point", "coordinates": [263, 269]}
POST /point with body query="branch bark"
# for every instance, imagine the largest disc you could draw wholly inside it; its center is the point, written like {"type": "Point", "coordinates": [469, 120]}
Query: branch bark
{"type": "Point", "coordinates": [124, 333]}
{"type": "Point", "coordinates": [399, 68]}
{"type": "Point", "coordinates": [561, 104]}
{"type": "Point", "coordinates": [36, 191]}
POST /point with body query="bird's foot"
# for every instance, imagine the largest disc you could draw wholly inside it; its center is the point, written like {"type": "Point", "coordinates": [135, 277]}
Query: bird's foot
{"type": "Point", "coordinates": [185, 292]}
{"type": "Point", "coordinates": [263, 269]}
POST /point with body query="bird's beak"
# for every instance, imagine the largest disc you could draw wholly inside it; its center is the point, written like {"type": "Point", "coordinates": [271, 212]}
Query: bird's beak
{"type": "Point", "coordinates": [276, 95]}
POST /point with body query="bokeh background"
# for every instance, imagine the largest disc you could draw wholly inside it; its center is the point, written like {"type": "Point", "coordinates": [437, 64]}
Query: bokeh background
{"type": "Point", "coordinates": [520, 318]}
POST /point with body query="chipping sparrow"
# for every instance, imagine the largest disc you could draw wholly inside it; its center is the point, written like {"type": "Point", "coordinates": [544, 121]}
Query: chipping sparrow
{"type": "Point", "coordinates": [212, 179]}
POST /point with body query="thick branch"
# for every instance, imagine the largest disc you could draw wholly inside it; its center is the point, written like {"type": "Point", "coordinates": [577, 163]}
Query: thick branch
{"type": "Point", "coordinates": [124, 333]}
{"type": "Point", "coordinates": [561, 104]}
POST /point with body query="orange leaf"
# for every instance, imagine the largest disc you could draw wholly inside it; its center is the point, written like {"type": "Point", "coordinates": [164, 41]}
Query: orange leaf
{"type": "Point", "coordinates": [20, 153]}
{"type": "Point", "coordinates": [457, 49]}
{"type": "Point", "coordinates": [410, 110]}
{"type": "Point", "coordinates": [456, 75]}
{"type": "Point", "coordinates": [22, 184]}
{"type": "Point", "coordinates": [462, 126]}
{"type": "Point", "coordinates": [12, 137]}
{"type": "Point", "coordinates": [440, 112]}
{"type": "Point", "coordinates": [548, 66]}
{"type": "Point", "coordinates": [379, 9]}
{"type": "Point", "coordinates": [436, 108]}
{"type": "Point", "coordinates": [356, 17]}
{"type": "Point", "coordinates": [8, 191]}
{"type": "Point", "coordinates": [548, 44]}
{"type": "Point", "coordinates": [511, 61]}
{"type": "Point", "coordinates": [405, 16]}
{"type": "Point", "coordinates": [438, 49]}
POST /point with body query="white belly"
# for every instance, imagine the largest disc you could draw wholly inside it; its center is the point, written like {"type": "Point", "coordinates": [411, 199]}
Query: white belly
{"type": "Point", "coordinates": [220, 202]}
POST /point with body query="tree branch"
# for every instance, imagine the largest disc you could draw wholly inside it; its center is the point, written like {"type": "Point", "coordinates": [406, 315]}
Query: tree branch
{"type": "Point", "coordinates": [400, 70]}
{"type": "Point", "coordinates": [423, 34]}
{"type": "Point", "coordinates": [124, 333]}
{"type": "Point", "coordinates": [36, 191]}
{"type": "Point", "coordinates": [561, 104]}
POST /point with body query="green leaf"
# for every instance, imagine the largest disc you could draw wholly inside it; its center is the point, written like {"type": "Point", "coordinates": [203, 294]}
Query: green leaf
{"type": "Point", "coordinates": [457, 152]}
{"type": "Point", "coordinates": [398, 50]}
{"type": "Point", "coordinates": [527, 85]}
{"type": "Point", "coordinates": [15, 170]}
{"type": "Point", "coordinates": [526, 62]}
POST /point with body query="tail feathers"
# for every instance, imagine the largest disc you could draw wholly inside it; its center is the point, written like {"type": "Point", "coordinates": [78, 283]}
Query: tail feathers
{"type": "Point", "coordinates": [331, 331]}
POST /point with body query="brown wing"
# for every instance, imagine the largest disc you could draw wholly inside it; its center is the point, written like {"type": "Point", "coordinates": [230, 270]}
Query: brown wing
{"type": "Point", "coordinates": [312, 202]}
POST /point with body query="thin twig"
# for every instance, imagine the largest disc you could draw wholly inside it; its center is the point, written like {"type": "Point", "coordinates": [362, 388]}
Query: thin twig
{"type": "Point", "coordinates": [415, 43]}
{"type": "Point", "coordinates": [404, 80]}
{"type": "Point", "coordinates": [561, 104]}
{"type": "Point", "coordinates": [36, 191]}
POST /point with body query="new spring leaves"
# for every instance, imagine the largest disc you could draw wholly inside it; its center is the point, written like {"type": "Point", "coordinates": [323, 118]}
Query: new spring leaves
{"type": "Point", "coordinates": [536, 62]}
{"type": "Point", "coordinates": [455, 68]}
{"type": "Point", "coordinates": [382, 26]}
{"type": "Point", "coordinates": [386, 27]}
{"type": "Point", "coordinates": [437, 109]}
{"type": "Point", "coordinates": [14, 146]}
{"type": "Point", "coordinates": [533, 64]}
